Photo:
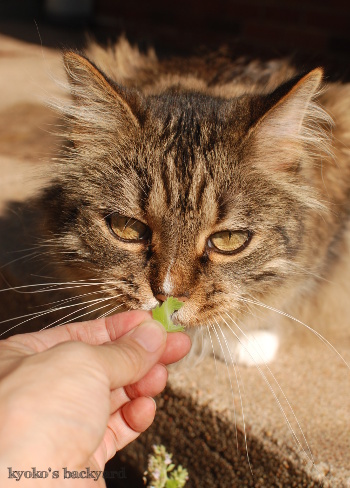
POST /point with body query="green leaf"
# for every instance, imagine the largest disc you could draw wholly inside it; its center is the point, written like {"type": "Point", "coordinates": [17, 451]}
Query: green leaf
{"type": "Point", "coordinates": [171, 484]}
{"type": "Point", "coordinates": [163, 313]}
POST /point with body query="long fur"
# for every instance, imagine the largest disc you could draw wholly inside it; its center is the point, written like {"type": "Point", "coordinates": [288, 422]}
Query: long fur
{"type": "Point", "coordinates": [192, 147]}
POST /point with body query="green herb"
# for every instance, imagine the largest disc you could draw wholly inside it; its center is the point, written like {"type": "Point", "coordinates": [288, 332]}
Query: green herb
{"type": "Point", "coordinates": [163, 313]}
{"type": "Point", "coordinates": [161, 472]}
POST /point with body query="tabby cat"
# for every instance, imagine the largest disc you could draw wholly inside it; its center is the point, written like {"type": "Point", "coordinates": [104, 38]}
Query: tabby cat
{"type": "Point", "coordinates": [222, 183]}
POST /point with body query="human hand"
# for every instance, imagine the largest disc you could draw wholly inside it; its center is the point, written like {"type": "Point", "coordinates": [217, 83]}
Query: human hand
{"type": "Point", "coordinates": [74, 395]}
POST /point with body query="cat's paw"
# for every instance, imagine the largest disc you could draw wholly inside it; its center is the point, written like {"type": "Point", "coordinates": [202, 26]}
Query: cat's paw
{"type": "Point", "coordinates": [254, 348]}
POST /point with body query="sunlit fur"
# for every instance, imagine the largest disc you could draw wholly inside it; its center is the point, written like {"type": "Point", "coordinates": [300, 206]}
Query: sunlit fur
{"type": "Point", "coordinates": [193, 147]}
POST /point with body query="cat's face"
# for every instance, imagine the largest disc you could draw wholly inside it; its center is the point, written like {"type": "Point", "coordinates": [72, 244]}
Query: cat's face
{"type": "Point", "coordinates": [183, 194]}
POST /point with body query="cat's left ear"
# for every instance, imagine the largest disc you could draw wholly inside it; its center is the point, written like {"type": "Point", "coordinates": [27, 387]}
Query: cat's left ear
{"type": "Point", "coordinates": [291, 124]}
{"type": "Point", "coordinates": [96, 97]}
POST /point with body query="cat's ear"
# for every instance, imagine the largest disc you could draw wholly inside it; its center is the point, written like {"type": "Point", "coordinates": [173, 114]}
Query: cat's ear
{"type": "Point", "coordinates": [291, 125]}
{"type": "Point", "coordinates": [96, 97]}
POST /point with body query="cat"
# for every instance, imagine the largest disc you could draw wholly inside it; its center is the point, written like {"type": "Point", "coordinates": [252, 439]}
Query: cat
{"type": "Point", "coordinates": [223, 184]}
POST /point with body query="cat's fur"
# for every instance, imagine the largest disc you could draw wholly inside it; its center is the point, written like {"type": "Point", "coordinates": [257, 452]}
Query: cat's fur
{"type": "Point", "coordinates": [192, 147]}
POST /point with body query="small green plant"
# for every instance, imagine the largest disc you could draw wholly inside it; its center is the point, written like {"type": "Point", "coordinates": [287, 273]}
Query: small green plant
{"type": "Point", "coordinates": [161, 472]}
{"type": "Point", "coordinates": [163, 313]}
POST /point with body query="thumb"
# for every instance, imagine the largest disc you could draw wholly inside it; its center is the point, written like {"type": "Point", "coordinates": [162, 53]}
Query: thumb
{"type": "Point", "coordinates": [129, 358]}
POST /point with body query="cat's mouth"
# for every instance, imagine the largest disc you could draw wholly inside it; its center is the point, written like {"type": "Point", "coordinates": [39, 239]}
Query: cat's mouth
{"type": "Point", "coordinates": [164, 312]}
{"type": "Point", "coordinates": [185, 318]}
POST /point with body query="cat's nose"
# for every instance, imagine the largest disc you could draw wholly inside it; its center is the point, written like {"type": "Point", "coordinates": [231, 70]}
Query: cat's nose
{"type": "Point", "coordinates": [162, 298]}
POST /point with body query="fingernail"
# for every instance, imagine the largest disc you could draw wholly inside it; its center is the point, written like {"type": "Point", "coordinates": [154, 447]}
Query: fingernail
{"type": "Point", "coordinates": [155, 405]}
{"type": "Point", "coordinates": [150, 335]}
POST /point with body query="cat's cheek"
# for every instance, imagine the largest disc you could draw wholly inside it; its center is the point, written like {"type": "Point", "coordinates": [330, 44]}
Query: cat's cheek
{"type": "Point", "coordinates": [189, 315]}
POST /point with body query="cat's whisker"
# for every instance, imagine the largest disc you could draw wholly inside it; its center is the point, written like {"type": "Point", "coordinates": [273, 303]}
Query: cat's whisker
{"type": "Point", "coordinates": [237, 375]}
{"type": "Point", "coordinates": [39, 314]}
{"type": "Point", "coordinates": [229, 377]}
{"type": "Point", "coordinates": [110, 312]}
{"type": "Point", "coordinates": [204, 332]}
{"type": "Point", "coordinates": [52, 287]}
{"type": "Point", "coordinates": [34, 248]}
{"type": "Point", "coordinates": [287, 315]}
{"type": "Point", "coordinates": [105, 288]}
{"type": "Point", "coordinates": [270, 387]}
{"type": "Point", "coordinates": [56, 309]}
{"type": "Point", "coordinates": [249, 310]}
{"type": "Point", "coordinates": [77, 297]}
{"type": "Point", "coordinates": [57, 323]}
{"type": "Point", "coordinates": [65, 288]}
{"type": "Point", "coordinates": [210, 326]}
{"type": "Point", "coordinates": [199, 351]}
{"type": "Point", "coordinates": [28, 257]}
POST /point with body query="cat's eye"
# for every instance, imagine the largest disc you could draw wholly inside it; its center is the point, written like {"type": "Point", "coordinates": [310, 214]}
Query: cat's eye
{"type": "Point", "coordinates": [229, 242]}
{"type": "Point", "coordinates": [127, 228]}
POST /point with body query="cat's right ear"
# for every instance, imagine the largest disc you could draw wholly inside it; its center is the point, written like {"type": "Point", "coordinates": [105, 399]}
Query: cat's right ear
{"type": "Point", "coordinates": [291, 126]}
{"type": "Point", "coordinates": [98, 99]}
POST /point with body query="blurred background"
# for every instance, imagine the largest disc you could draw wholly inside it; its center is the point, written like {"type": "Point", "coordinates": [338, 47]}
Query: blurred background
{"type": "Point", "coordinates": [316, 30]}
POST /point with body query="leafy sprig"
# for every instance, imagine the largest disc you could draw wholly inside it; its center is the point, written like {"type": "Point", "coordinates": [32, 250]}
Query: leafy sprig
{"type": "Point", "coordinates": [163, 313]}
{"type": "Point", "coordinates": [161, 472]}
